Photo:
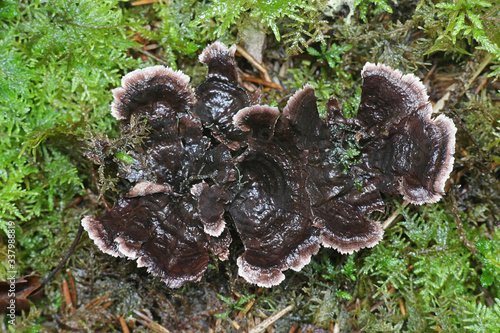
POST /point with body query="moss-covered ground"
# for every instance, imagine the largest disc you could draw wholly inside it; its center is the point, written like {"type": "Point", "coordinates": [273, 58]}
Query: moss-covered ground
{"type": "Point", "coordinates": [438, 266]}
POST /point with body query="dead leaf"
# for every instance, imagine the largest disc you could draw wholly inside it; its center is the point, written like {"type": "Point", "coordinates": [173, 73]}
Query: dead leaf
{"type": "Point", "coordinates": [22, 290]}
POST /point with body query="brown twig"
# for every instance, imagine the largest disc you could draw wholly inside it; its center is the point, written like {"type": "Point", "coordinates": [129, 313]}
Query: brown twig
{"type": "Point", "coordinates": [261, 82]}
{"type": "Point", "coordinates": [269, 321]}
{"type": "Point", "coordinates": [251, 59]}
{"type": "Point", "coordinates": [428, 75]}
{"type": "Point", "coordinates": [143, 2]}
{"type": "Point", "coordinates": [123, 325]}
{"type": "Point", "coordinates": [67, 296]}
{"type": "Point", "coordinates": [151, 55]}
{"type": "Point", "coordinates": [148, 322]}
{"type": "Point", "coordinates": [72, 288]}
{"type": "Point", "coordinates": [66, 256]}
{"type": "Point", "coordinates": [97, 301]}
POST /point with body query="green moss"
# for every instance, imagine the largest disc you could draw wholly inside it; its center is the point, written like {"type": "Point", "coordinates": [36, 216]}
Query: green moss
{"type": "Point", "coordinates": [363, 5]}
{"type": "Point", "coordinates": [238, 305]}
{"type": "Point", "coordinates": [56, 59]}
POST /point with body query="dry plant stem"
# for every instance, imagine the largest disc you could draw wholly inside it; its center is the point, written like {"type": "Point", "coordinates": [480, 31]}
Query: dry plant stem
{"type": "Point", "coordinates": [294, 328]}
{"type": "Point", "coordinates": [442, 101]}
{"type": "Point", "coordinates": [390, 220]}
{"type": "Point", "coordinates": [428, 75]}
{"type": "Point", "coordinates": [486, 60]}
{"type": "Point", "coordinates": [481, 85]}
{"type": "Point", "coordinates": [149, 323]}
{"type": "Point", "coordinates": [261, 82]}
{"type": "Point", "coordinates": [143, 2]}
{"type": "Point", "coordinates": [254, 62]}
{"type": "Point", "coordinates": [374, 307]}
{"type": "Point", "coordinates": [149, 54]}
{"type": "Point", "coordinates": [402, 307]}
{"type": "Point", "coordinates": [66, 256]}
{"type": "Point", "coordinates": [247, 308]}
{"type": "Point", "coordinates": [269, 321]}
{"type": "Point", "coordinates": [67, 296]}
{"type": "Point", "coordinates": [234, 324]}
{"type": "Point", "coordinates": [155, 327]}
{"type": "Point", "coordinates": [72, 287]}
{"type": "Point", "coordinates": [97, 302]}
{"type": "Point", "coordinates": [123, 325]}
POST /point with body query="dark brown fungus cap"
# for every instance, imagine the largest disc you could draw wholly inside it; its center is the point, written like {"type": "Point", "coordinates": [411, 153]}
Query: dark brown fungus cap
{"type": "Point", "coordinates": [300, 121]}
{"type": "Point", "coordinates": [340, 208]}
{"type": "Point", "coordinates": [271, 214]}
{"type": "Point", "coordinates": [337, 207]}
{"type": "Point", "coordinates": [220, 97]}
{"type": "Point", "coordinates": [163, 97]}
{"type": "Point", "coordinates": [212, 201]}
{"type": "Point", "coordinates": [403, 150]}
{"type": "Point", "coordinates": [160, 222]}
{"type": "Point", "coordinates": [157, 93]}
{"type": "Point", "coordinates": [258, 119]}
{"type": "Point", "coordinates": [271, 211]}
{"type": "Point", "coordinates": [413, 152]}
{"type": "Point", "coordinates": [286, 190]}
{"type": "Point", "coordinates": [162, 233]}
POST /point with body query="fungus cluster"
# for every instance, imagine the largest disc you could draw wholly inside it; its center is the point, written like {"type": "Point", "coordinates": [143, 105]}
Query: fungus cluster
{"type": "Point", "coordinates": [215, 156]}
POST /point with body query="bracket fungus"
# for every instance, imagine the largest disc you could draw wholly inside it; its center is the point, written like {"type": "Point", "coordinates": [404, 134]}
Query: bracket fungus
{"type": "Point", "coordinates": [216, 158]}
